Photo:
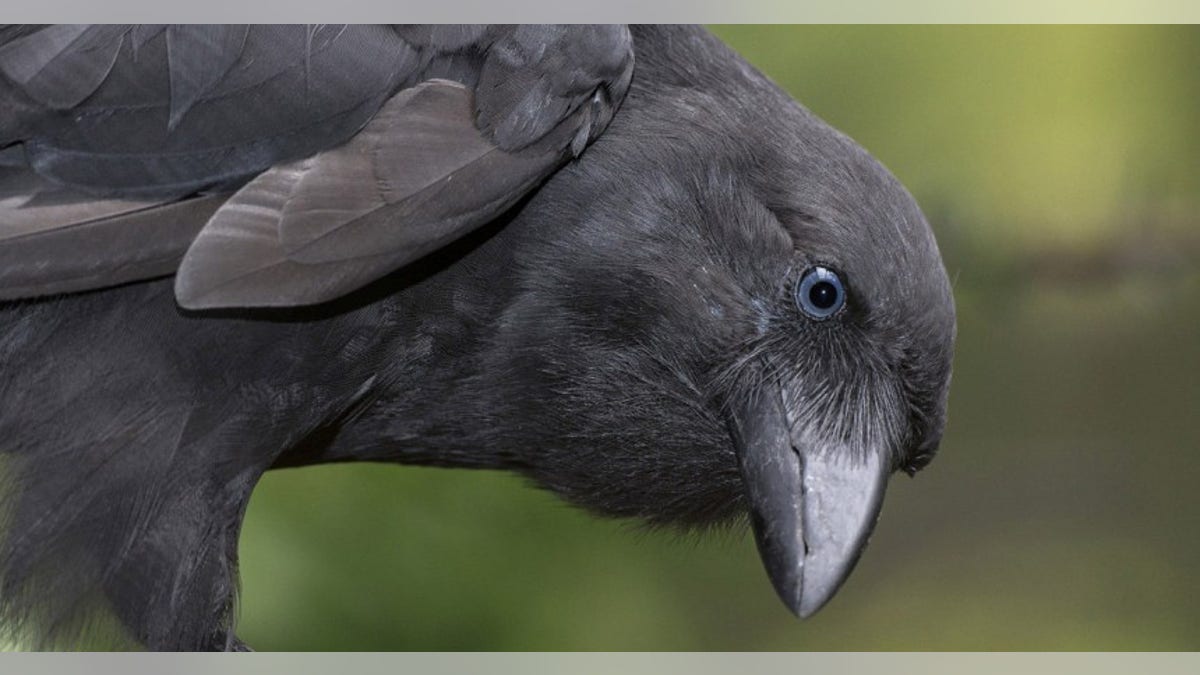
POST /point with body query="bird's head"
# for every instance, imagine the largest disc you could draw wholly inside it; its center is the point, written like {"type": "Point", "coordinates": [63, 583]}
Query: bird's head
{"type": "Point", "coordinates": [722, 316]}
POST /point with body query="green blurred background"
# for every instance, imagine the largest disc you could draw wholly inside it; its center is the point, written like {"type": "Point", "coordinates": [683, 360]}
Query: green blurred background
{"type": "Point", "coordinates": [1059, 167]}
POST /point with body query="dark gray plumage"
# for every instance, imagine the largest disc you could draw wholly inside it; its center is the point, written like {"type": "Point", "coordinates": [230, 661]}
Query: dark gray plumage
{"type": "Point", "coordinates": [450, 127]}
{"type": "Point", "coordinates": [628, 336]}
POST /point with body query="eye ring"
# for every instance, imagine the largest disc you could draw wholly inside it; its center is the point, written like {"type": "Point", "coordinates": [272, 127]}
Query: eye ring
{"type": "Point", "coordinates": [820, 293]}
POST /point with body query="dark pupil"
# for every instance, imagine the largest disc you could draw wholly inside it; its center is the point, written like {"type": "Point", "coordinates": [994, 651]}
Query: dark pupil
{"type": "Point", "coordinates": [823, 295]}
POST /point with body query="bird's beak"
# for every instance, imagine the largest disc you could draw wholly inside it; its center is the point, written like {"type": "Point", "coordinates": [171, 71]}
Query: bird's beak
{"type": "Point", "coordinates": [812, 508]}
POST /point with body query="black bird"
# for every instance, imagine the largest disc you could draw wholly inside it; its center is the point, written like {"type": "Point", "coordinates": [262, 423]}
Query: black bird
{"type": "Point", "coordinates": [622, 263]}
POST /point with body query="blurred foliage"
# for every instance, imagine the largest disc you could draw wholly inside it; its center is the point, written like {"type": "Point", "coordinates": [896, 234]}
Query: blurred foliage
{"type": "Point", "coordinates": [1059, 168]}
{"type": "Point", "coordinates": [1047, 134]}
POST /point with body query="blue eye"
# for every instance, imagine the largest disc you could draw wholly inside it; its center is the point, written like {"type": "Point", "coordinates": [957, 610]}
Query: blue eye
{"type": "Point", "coordinates": [820, 294]}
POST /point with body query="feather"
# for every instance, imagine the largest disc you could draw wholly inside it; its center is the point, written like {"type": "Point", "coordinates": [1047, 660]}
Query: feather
{"type": "Point", "coordinates": [537, 76]}
{"type": "Point", "coordinates": [423, 162]}
{"type": "Point", "coordinates": [54, 240]}
{"type": "Point", "coordinates": [238, 261]}
{"type": "Point", "coordinates": [62, 65]}
{"type": "Point", "coordinates": [194, 108]}
{"type": "Point", "coordinates": [198, 57]}
{"type": "Point", "coordinates": [417, 177]}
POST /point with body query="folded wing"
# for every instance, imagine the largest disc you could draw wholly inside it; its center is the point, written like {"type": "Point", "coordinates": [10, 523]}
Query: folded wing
{"type": "Point", "coordinates": [364, 148]}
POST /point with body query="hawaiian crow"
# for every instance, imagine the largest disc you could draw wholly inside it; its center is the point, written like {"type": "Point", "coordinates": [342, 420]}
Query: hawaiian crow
{"type": "Point", "coordinates": [620, 262]}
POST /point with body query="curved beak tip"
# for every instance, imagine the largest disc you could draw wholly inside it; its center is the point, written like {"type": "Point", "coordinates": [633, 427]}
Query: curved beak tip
{"type": "Point", "coordinates": [810, 536]}
{"type": "Point", "coordinates": [805, 611]}
{"type": "Point", "coordinates": [814, 580]}
{"type": "Point", "coordinates": [813, 508]}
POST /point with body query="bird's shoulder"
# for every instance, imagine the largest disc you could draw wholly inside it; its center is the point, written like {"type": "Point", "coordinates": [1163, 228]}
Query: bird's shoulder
{"type": "Point", "coordinates": [442, 127]}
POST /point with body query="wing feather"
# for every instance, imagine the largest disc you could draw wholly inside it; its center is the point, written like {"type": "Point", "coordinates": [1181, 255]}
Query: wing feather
{"type": "Point", "coordinates": [410, 161]}
{"type": "Point", "coordinates": [119, 130]}
{"type": "Point", "coordinates": [63, 64]}
{"type": "Point", "coordinates": [313, 230]}
{"type": "Point", "coordinates": [198, 57]}
{"type": "Point", "coordinates": [238, 262]}
{"type": "Point", "coordinates": [55, 240]}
